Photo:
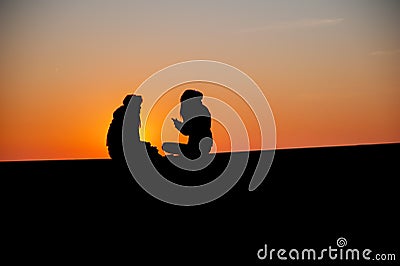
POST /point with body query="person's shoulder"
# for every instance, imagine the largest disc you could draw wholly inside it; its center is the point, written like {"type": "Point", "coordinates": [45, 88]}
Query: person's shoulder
{"type": "Point", "coordinates": [119, 112]}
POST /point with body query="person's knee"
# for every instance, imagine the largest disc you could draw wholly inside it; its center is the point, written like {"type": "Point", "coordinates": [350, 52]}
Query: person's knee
{"type": "Point", "coordinates": [205, 145]}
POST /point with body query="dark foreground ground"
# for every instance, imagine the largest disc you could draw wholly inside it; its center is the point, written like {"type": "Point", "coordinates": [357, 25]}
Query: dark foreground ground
{"type": "Point", "coordinates": [87, 211]}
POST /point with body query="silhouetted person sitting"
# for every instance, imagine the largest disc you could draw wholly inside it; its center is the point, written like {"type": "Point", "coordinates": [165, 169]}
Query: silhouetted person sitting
{"type": "Point", "coordinates": [114, 135]}
{"type": "Point", "coordinates": [196, 124]}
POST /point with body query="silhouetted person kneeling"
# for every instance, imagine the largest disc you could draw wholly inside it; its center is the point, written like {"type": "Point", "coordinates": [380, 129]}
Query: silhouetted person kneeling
{"type": "Point", "coordinates": [196, 124]}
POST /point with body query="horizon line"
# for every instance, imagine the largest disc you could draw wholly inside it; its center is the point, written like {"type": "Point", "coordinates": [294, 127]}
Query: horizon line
{"type": "Point", "coordinates": [284, 148]}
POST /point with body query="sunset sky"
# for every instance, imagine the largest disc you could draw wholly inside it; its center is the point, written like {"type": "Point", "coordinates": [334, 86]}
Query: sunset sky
{"type": "Point", "coordinates": [329, 69]}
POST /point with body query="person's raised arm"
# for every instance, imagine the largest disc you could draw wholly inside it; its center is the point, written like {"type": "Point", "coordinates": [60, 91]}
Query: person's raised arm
{"type": "Point", "coordinates": [178, 124]}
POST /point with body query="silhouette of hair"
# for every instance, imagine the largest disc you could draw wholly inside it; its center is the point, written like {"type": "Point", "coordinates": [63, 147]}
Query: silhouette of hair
{"type": "Point", "coordinates": [188, 94]}
{"type": "Point", "coordinates": [129, 97]}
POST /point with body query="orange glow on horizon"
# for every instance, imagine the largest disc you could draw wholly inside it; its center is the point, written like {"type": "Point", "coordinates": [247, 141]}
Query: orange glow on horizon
{"type": "Point", "coordinates": [66, 66]}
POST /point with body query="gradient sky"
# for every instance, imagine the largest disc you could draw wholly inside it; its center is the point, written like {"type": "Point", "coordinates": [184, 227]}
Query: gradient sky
{"type": "Point", "coordinates": [329, 69]}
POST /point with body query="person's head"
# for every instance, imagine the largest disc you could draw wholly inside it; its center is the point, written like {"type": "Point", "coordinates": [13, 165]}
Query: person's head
{"type": "Point", "coordinates": [137, 102]}
{"type": "Point", "coordinates": [195, 98]}
{"type": "Point", "coordinates": [127, 99]}
{"type": "Point", "coordinates": [189, 94]}
{"type": "Point", "coordinates": [136, 99]}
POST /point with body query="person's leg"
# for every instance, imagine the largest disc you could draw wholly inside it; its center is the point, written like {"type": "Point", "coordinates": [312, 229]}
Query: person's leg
{"type": "Point", "coordinates": [171, 147]}
{"type": "Point", "coordinates": [194, 150]}
{"type": "Point", "coordinates": [190, 151]}
{"type": "Point", "coordinates": [205, 145]}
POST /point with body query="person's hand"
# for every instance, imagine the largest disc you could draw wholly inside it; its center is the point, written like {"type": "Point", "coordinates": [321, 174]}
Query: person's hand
{"type": "Point", "coordinates": [177, 123]}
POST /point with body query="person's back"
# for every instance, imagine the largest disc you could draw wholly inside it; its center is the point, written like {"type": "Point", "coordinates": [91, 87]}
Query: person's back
{"type": "Point", "coordinates": [198, 127]}
{"type": "Point", "coordinates": [114, 134]}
